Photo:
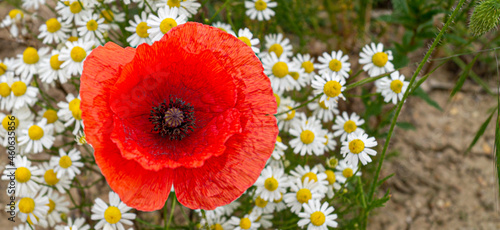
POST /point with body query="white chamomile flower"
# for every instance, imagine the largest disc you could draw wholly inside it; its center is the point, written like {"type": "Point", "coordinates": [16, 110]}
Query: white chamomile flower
{"type": "Point", "coordinates": [345, 171]}
{"type": "Point", "coordinates": [6, 66]}
{"type": "Point", "coordinates": [24, 226]}
{"type": "Point", "coordinates": [260, 9]}
{"type": "Point", "coordinates": [32, 209]}
{"type": "Point", "coordinates": [300, 193]}
{"type": "Point", "coordinates": [73, 55]}
{"type": "Point", "coordinates": [32, 4]}
{"type": "Point", "coordinates": [51, 70]}
{"type": "Point", "coordinates": [301, 78]}
{"type": "Point", "coordinates": [306, 63]}
{"type": "Point", "coordinates": [335, 63]}
{"type": "Point", "coordinates": [278, 70]}
{"type": "Point", "coordinates": [67, 164]}
{"type": "Point", "coordinates": [224, 27]}
{"type": "Point", "coordinates": [28, 63]}
{"type": "Point", "coordinates": [317, 216]}
{"type": "Point", "coordinates": [167, 19]}
{"type": "Point", "coordinates": [246, 36]}
{"type": "Point", "coordinates": [114, 215]}
{"type": "Point", "coordinates": [320, 110]}
{"type": "Point", "coordinates": [72, 10]}
{"type": "Point", "coordinates": [279, 149]}
{"type": "Point", "coordinates": [376, 61]}
{"type": "Point", "coordinates": [332, 86]}
{"type": "Point", "coordinates": [37, 136]}
{"type": "Point", "coordinates": [271, 183]}
{"type": "Point", "coordinates": [392, 88]}
{"type": "Point", "coordinates": [278, 44]}
{"type": "Point", "coordinates": [358, 147]}
{"type": "Point", "coordinates": [52, 118]}
{"type": "Point", "coordinates": [14, 19]}
{"type": "Point", "coordinates": [345, 125]}
{"type": "Point", "coordinates": [6, 96]}
{"type": "Point", "coordinates": [247, 222]}
{"type": "Point", "coordinates": [91, 28]}
{"type": "Point", "coordinates": [289, 116]}
{"type": "Point", "coordinates": [262, 206]}
{"type": "Point", "coordinates": [80, 138]}
{"type": "Point", "coordinates": [187, 8]}
{"type": "Point", "coordinates": [50, 180]}
{"type": "Point", "coordinates": [332, 183]}
{"type": "Point", "coordinates": [139, 27]}
{"type": "Point", "coordinates": [148, 5]}
{"type": "Point", "coordinates": [217, 222]}
{"type": "Point", "coordinates": [330, 143]}
{"type": "Point", "coordinates": [265, 220]}
{"type": "Point", "coordinates": [54, 30]}
{"type": "Point", "coordinates": [25, 175]}
{"type": "Point", "coordinates": [278, 204]}
{"type": "Point", "coordinates": [306, 173]}
{"type": "Point", "coordinates": [18, 120]}
{"type": "Point", "coordinates": [23, 93]}
{"type": "Point", "coordinates": [70, 112]}
{"type": "Point", "coordinates": [112, 17]}
{"type": "Point", "coordinates": [309, 136]}
{"type": "Point", "coordinates": [78, 224]}
{"type": "Point", "coordinates": [57, 206]}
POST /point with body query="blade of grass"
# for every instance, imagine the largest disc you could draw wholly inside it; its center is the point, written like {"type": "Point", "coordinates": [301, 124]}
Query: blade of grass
{"type": "Point", "coordinates": [462, 78]}
{"type": "Point", "coordinates": [481, 131]}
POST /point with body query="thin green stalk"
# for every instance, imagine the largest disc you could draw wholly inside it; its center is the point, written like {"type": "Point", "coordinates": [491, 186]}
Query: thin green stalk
{"type": "Point", "coordinates": [172, 209]}
{"type": "Point", "coordinates": [165, 210]}
{"type": "Point", "coordinates": [218, 11]}
{"type": "Point", "coordinates": [407, 93]}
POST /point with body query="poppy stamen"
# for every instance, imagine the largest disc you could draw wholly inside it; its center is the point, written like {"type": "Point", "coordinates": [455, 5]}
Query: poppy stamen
{"type": "Point", "coordinates": [174, 119]}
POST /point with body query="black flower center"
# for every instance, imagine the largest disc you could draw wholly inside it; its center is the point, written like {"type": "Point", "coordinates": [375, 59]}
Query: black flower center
{"type": "Point", "coordinates": [174, 120]}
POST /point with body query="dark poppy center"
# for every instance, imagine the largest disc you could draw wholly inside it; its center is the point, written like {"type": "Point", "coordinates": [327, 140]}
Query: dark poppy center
{"type": "Point", "coordinates": [173, 119]}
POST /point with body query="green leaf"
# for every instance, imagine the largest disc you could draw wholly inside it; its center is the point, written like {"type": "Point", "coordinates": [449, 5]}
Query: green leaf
{"type": "Point", "coordinates": [378, 203]}
{"type": "Point", "coordinates": [480, 132]}
{"type": "Point", "coordinates": [462, 78]}
{"type": "Point", "coordinates": [405, 125]}
{"type": "Point", "coordinates": [419, 92]}
{"type": "Point", "coordinates": [380, 182]}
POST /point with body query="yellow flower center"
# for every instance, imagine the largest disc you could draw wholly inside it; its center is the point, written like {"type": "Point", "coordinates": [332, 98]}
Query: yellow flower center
{"type": "Point", "coordinates": [35, 132]}
{"type": "Point", "coordinates": [65, 162]}
{"type": "Point", "coordinates": [356, 146]}
{"type": "Point", "coordinates": [53, 25]}
{"type": "Point", "coordinates": [260, 202]}
{"type": "Point", "coordinates": [280, 199]}
{"type": "Point", "coordinates": [333, 162]}
{"type": "Point", "coordinates": [245, 40]}
{"type": "Point", "coordinates": [380, 59]}
{"type": "Point", "coordinates": [13, 13]}
{"type": "Point", "coordinates": [330, 176]}
{"type": "Point", "coordinates": [271, 184]}
{"type": "Point", "coordinates": [260, 5]}
{"type": "Point", "coordinates": [77, 114]}
{"type": "Point", "coordinates": [174, 3]}
{"type": "Point", "coordinates": [332, 88]}
{"type": "Point", "coordinates": [78, 54]}
{"type": "Point", "coordinates": [312, 177]}
{"type": "Point", "coordinates": [23, 174]}
{"type": "Point", "coordinates": [308, 66]}
{"type": "Point", "coordinates": [396, 86]}
{"type": "Point", "coordinates": [30, 56]}
{"type": "Point", "coordinates": [55, 64]}
{"type": "Point", "coordinates": [75, 7]}
{"type": "Point", "coordinates": [350, 126]}
{"type": "Point", "coordinates": [112, 215]}
{"type": "Point", "coordinates": [73, 39]}
{"type": "Point", "coordinates": [107, 15]}
{"type": "Point", "coordinates": [52, 206]}
{"type": "Point", "coordinates": [50, 177]}
{"type": "Point", "coordinates": [92, 25]}
{"type": "Point", "coordinates": [335, 65]}
{"type": "Point", "coordinates": [322, 104]}
{"type": "Point", "coordinates": [317, 218]}
{"type": "Point", "coordinates": [51, 116]}
{"type": "Point", "coordinates": [277, 49]}
{"type": "Point", "coordinates": [245, 223]}
{"type": "Point", "coordinates": [74, 104]}
{"type": "Point", "coordinates": [304, 195]}
{"type": "Point", "coordinates": [7, 119]}
{"type": "Point", "coordinates": [19, 88]}
{"type": "Point", "coordinates": [290, 115]}
{"type": "Point", "coordinates": [295, 75]}
{"type": "Point", "coordinates": [216, 227]}
{"type": "Point", "coordinates": [278, 99]}
{"type": "Point", "coordinates": [29, 220]}
{"type": "Point", "coordinates": [307, 137]}
{"type": "Point", "coordinates": [167, 24]}
{"type": "Point", "coordinates": [26, 205]}
{"type": "Point", "coordinates": [278, 139]}
{"type": "Point", "coordinates": [4, 89]}
{"type": "Point", "coordinates": [3, 68]}
{"type": "Point", "coordinates": [347, 172]}
{"type": "Point", "coordinates": [142, 30]}
{"type": "Point", "coordinates": [326, 142]}
{"type": "Point", "coordinates": [280, 69]}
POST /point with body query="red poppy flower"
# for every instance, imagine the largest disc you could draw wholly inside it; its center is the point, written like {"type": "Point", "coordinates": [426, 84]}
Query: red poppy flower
{"type": "Point", "coordinates": [193, 110]}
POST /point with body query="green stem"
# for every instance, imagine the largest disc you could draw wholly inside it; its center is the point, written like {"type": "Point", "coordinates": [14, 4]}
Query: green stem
{"type": "Point", "coordinates": [218, 11]}
{"type": "Point", "coordinates": [407, 92]}
{"type": "Point", "coordinates": [172, 209]}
